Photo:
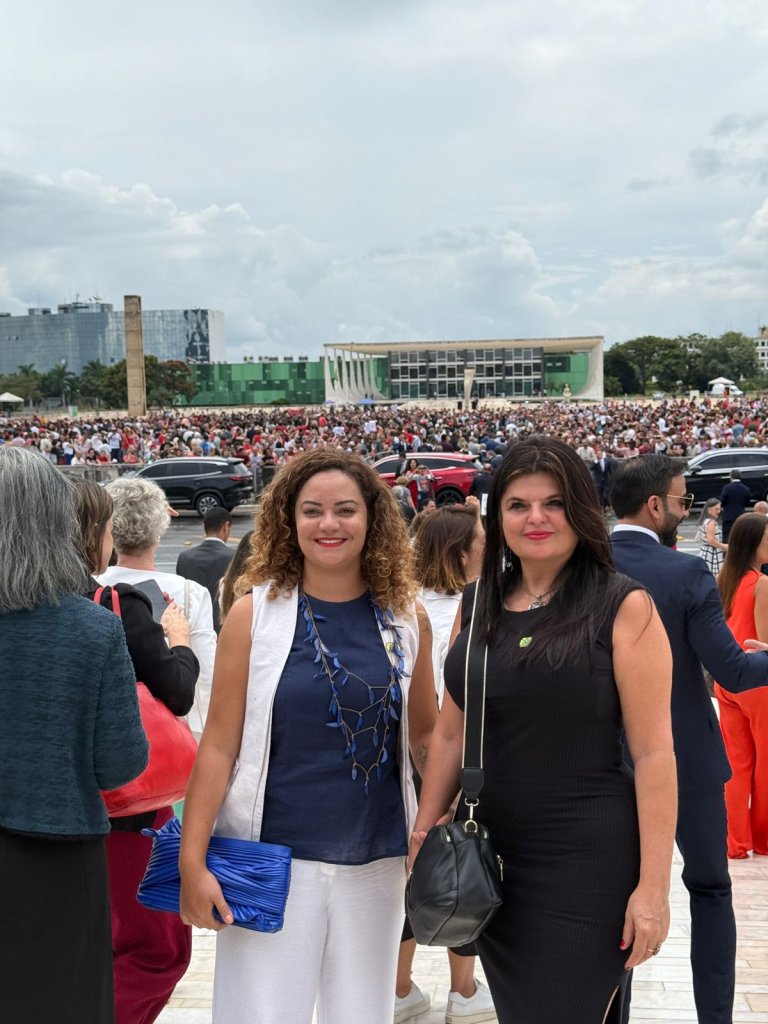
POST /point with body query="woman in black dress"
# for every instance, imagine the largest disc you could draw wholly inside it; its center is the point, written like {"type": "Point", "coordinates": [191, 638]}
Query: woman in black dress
{"type": "Point", "coordinates": [576, 655]}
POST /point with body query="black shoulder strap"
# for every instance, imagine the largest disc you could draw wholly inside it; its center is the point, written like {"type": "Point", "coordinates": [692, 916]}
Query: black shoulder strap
{"type": "Point", "coordinates": [472, 773]}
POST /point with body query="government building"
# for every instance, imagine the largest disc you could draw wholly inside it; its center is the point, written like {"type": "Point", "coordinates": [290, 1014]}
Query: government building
{"type": "Point", "coordinates": [446, 371]}
{"type": "Point", "coordinates": [465, 371]}
{"type": "Point", "coordinates": [79, 332]}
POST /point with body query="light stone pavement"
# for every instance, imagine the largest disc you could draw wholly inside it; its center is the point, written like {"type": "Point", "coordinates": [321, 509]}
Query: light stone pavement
{"type": "Point", "coordinates": [661, 988]}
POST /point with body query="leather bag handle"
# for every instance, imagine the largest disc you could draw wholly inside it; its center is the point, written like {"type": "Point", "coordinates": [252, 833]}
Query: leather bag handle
{"type": "Point", "coordinates": [475, 669]}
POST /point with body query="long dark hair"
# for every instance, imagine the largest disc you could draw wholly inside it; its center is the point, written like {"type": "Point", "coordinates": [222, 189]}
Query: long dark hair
{"type": "Point", "coordinates": [704, 515]}
{"type": "Point", "coordinates": [235, 570]}
{"type": "Point", "coordinates": [445, 535]}
{"type": "Point", "coordinates": [94, 510]}
{"type": "Point", "coordinates": [568, 623]}
{"type": "Point", "coordinates": [746, 534]}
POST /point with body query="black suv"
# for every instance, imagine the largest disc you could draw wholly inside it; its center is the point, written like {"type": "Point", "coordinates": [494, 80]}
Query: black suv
{"type": "Point", "coordinates": [201, 482]}
{"type": "Point", "coordinates": [708, 473]}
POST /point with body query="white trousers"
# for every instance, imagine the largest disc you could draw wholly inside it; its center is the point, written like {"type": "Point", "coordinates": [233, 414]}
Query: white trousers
{"type": "Point", "coordinates": [337, 951]}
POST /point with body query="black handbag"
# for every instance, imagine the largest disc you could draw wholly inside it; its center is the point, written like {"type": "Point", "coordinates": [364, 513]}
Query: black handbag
{"type": "Point", "coordinates": [454, 888]}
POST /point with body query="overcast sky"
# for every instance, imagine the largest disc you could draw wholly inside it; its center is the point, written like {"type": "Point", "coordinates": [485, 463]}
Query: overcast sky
{"type": "Point", "coordinates": [383, 170]}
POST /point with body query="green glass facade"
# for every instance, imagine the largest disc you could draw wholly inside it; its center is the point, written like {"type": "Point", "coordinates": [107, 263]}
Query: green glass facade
{"type": "Point", "coordinates": [571, 368]}
{"type": "Point", "coordinates": [500, 372]}
{"type": "Point", "coordinates": [271, 382]}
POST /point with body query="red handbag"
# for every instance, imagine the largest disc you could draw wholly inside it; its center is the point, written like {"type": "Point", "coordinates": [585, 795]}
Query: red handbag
{"type": "Point", "coordinates": [172, 752]}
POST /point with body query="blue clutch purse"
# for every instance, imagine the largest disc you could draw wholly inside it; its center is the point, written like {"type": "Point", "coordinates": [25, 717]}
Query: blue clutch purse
{"type": "Point", "coordinates": [254, 877]}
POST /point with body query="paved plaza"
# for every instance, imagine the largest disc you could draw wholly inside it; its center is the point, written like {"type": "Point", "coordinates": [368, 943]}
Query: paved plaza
{"type": "Point", "coordinates": [661, 989]}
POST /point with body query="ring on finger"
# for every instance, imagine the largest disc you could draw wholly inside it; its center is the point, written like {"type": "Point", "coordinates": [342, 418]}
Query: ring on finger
{"type": "Point", "coordinates": [654, 950]}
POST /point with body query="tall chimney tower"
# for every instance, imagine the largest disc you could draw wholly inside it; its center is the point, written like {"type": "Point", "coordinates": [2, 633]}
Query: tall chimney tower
{"type": "Point", "coordinates": [134, 357]}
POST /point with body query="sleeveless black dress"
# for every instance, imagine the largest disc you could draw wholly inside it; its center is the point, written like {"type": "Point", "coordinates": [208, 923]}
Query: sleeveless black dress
{"type": "Point", "coordinates": [559, 802]}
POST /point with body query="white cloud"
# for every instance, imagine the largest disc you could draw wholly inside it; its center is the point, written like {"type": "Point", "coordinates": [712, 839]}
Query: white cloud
{"type": "Point", "coordinates": [421, 168]}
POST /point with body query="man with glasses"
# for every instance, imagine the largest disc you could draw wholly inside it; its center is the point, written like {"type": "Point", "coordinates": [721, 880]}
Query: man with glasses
{"type": "Point", "coordinates": [650, 501]}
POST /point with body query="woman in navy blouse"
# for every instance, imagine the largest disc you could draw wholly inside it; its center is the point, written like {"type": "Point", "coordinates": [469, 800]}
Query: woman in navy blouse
{"type": "Point", "coordinates": [322, 687]}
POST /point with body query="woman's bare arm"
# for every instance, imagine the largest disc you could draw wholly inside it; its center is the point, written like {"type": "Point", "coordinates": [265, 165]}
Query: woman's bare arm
{"type": "Point", "coordinates": [712, 538]}
{"type": "Point", "coordinates": [422, 698]}
{"type": "Point", "coordinates": [219, 747]}
{"type": "Point", "coordinates": [642, 663]}
{"type": "Point", "coordinates": [442, 776]}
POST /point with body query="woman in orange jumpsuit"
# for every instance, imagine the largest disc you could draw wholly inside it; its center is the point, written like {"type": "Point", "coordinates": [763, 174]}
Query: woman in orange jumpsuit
{"type": "Point", "coordinates": [744, 716]}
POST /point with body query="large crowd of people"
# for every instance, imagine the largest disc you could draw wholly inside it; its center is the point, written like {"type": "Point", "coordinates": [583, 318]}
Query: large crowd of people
{"type": "Point", "coordinates": [615, 428]}
{"type": "Point", "coordinates": [328, 599]}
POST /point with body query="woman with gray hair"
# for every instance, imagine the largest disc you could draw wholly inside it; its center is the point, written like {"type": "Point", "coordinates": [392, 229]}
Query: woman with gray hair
{"type": "Point", "coordinates": [405, 501]}
{"type": "Point", "coordinates": [69, 727]}
{"type": "Point", "coordinates": [139, 521]}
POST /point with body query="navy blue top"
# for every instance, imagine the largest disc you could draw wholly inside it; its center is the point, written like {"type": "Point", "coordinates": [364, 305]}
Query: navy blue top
{"type": "Point", "coordinates": [312, 804]}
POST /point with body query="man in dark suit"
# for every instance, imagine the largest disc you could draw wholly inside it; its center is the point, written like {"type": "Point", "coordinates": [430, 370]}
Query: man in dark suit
{"type": "Point", "coordinates": [602, 470]}
{"type": "Point", "coordinates": [208, 562]}
{"type": "Point", "coordinates": [734, 498]}
{"type": "Point", "coordinates": [649, 499]}
{"type": "Point", "coordinates": [481, 485]}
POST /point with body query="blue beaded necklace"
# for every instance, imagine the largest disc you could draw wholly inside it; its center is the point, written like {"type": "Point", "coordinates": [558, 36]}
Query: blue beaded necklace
{"type": "Point", "coordinates": [338, 676]}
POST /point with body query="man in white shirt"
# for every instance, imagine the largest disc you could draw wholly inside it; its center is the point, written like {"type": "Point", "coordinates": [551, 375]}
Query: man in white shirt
{"type": "Point", "coordinates": [207, 563]}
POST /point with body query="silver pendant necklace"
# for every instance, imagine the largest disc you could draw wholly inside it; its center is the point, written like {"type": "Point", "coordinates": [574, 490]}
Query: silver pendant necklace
{"type": "Point", "coordinates": [539, 600]}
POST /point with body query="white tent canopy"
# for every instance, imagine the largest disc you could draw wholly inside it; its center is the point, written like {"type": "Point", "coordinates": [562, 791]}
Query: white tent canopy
{"type": "Point", "coordinates": [8, 397]}
{"type": "Point", "coordinates": [722, 380]}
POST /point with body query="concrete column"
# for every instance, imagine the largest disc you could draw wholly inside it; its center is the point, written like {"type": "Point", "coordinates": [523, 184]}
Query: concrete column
{"type": "Point", "coordinates": [327, 374]}
{"type": "Point", "coordinates": [343, 377]}
{"type": "Point", "coordinates": [337, 371]}
{"type": "Point", "coordinates": [134, 357]}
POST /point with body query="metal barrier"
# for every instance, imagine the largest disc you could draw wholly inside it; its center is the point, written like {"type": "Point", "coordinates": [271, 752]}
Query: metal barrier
{"type": "Point", "coordinates": [102, 473]}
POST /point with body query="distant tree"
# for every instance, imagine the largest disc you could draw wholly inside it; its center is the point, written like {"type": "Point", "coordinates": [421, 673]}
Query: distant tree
{"type": "Point", "coordinates": [613, 387]}
{"type": "Point", "coordinates": [115, 386]}
{"type": "Point", "coordinates": [670, 364]}
{"type": "Point", "coordinates": [167, 380]}
{"type": "Point", "coordinates": [694, 375]}
{"type": "Point", "coordinates": [91, 383]}
{"type": "Point", "coordinates": [732, 355]}
{"type": "Point", "coordinates": [693, 341]}
{"type": "Point", "coordinates": [644, 354]}
{"type": "Point", "coordinates": [693, 360]}
{"type": "Point", "coordinates": [617, 365]}
{"type": "Point", "coordinates": [25, 383]}
{"type": "Point", "coordinates": [59, 382]}
{"type": "Point", "coordinates": [759, 382]}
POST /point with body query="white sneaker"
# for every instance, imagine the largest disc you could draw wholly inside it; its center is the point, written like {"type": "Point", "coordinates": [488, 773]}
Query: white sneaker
{"type": "Point", "coordinates": [477, 1009]}
{"type": "Point", "coordinates": [412, 1005]}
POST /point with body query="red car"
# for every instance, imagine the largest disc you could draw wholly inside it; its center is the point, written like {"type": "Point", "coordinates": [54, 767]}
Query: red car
{"type": "Point", "coordinates": [453, 474]}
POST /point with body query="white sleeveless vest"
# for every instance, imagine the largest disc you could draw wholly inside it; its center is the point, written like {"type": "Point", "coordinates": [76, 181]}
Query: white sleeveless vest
{"type": "Point", "coordinates": [272, 632]}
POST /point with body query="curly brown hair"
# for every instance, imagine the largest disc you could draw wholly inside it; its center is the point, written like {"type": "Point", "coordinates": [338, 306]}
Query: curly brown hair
{"type": "Point", "coordinates": [386, 559]}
